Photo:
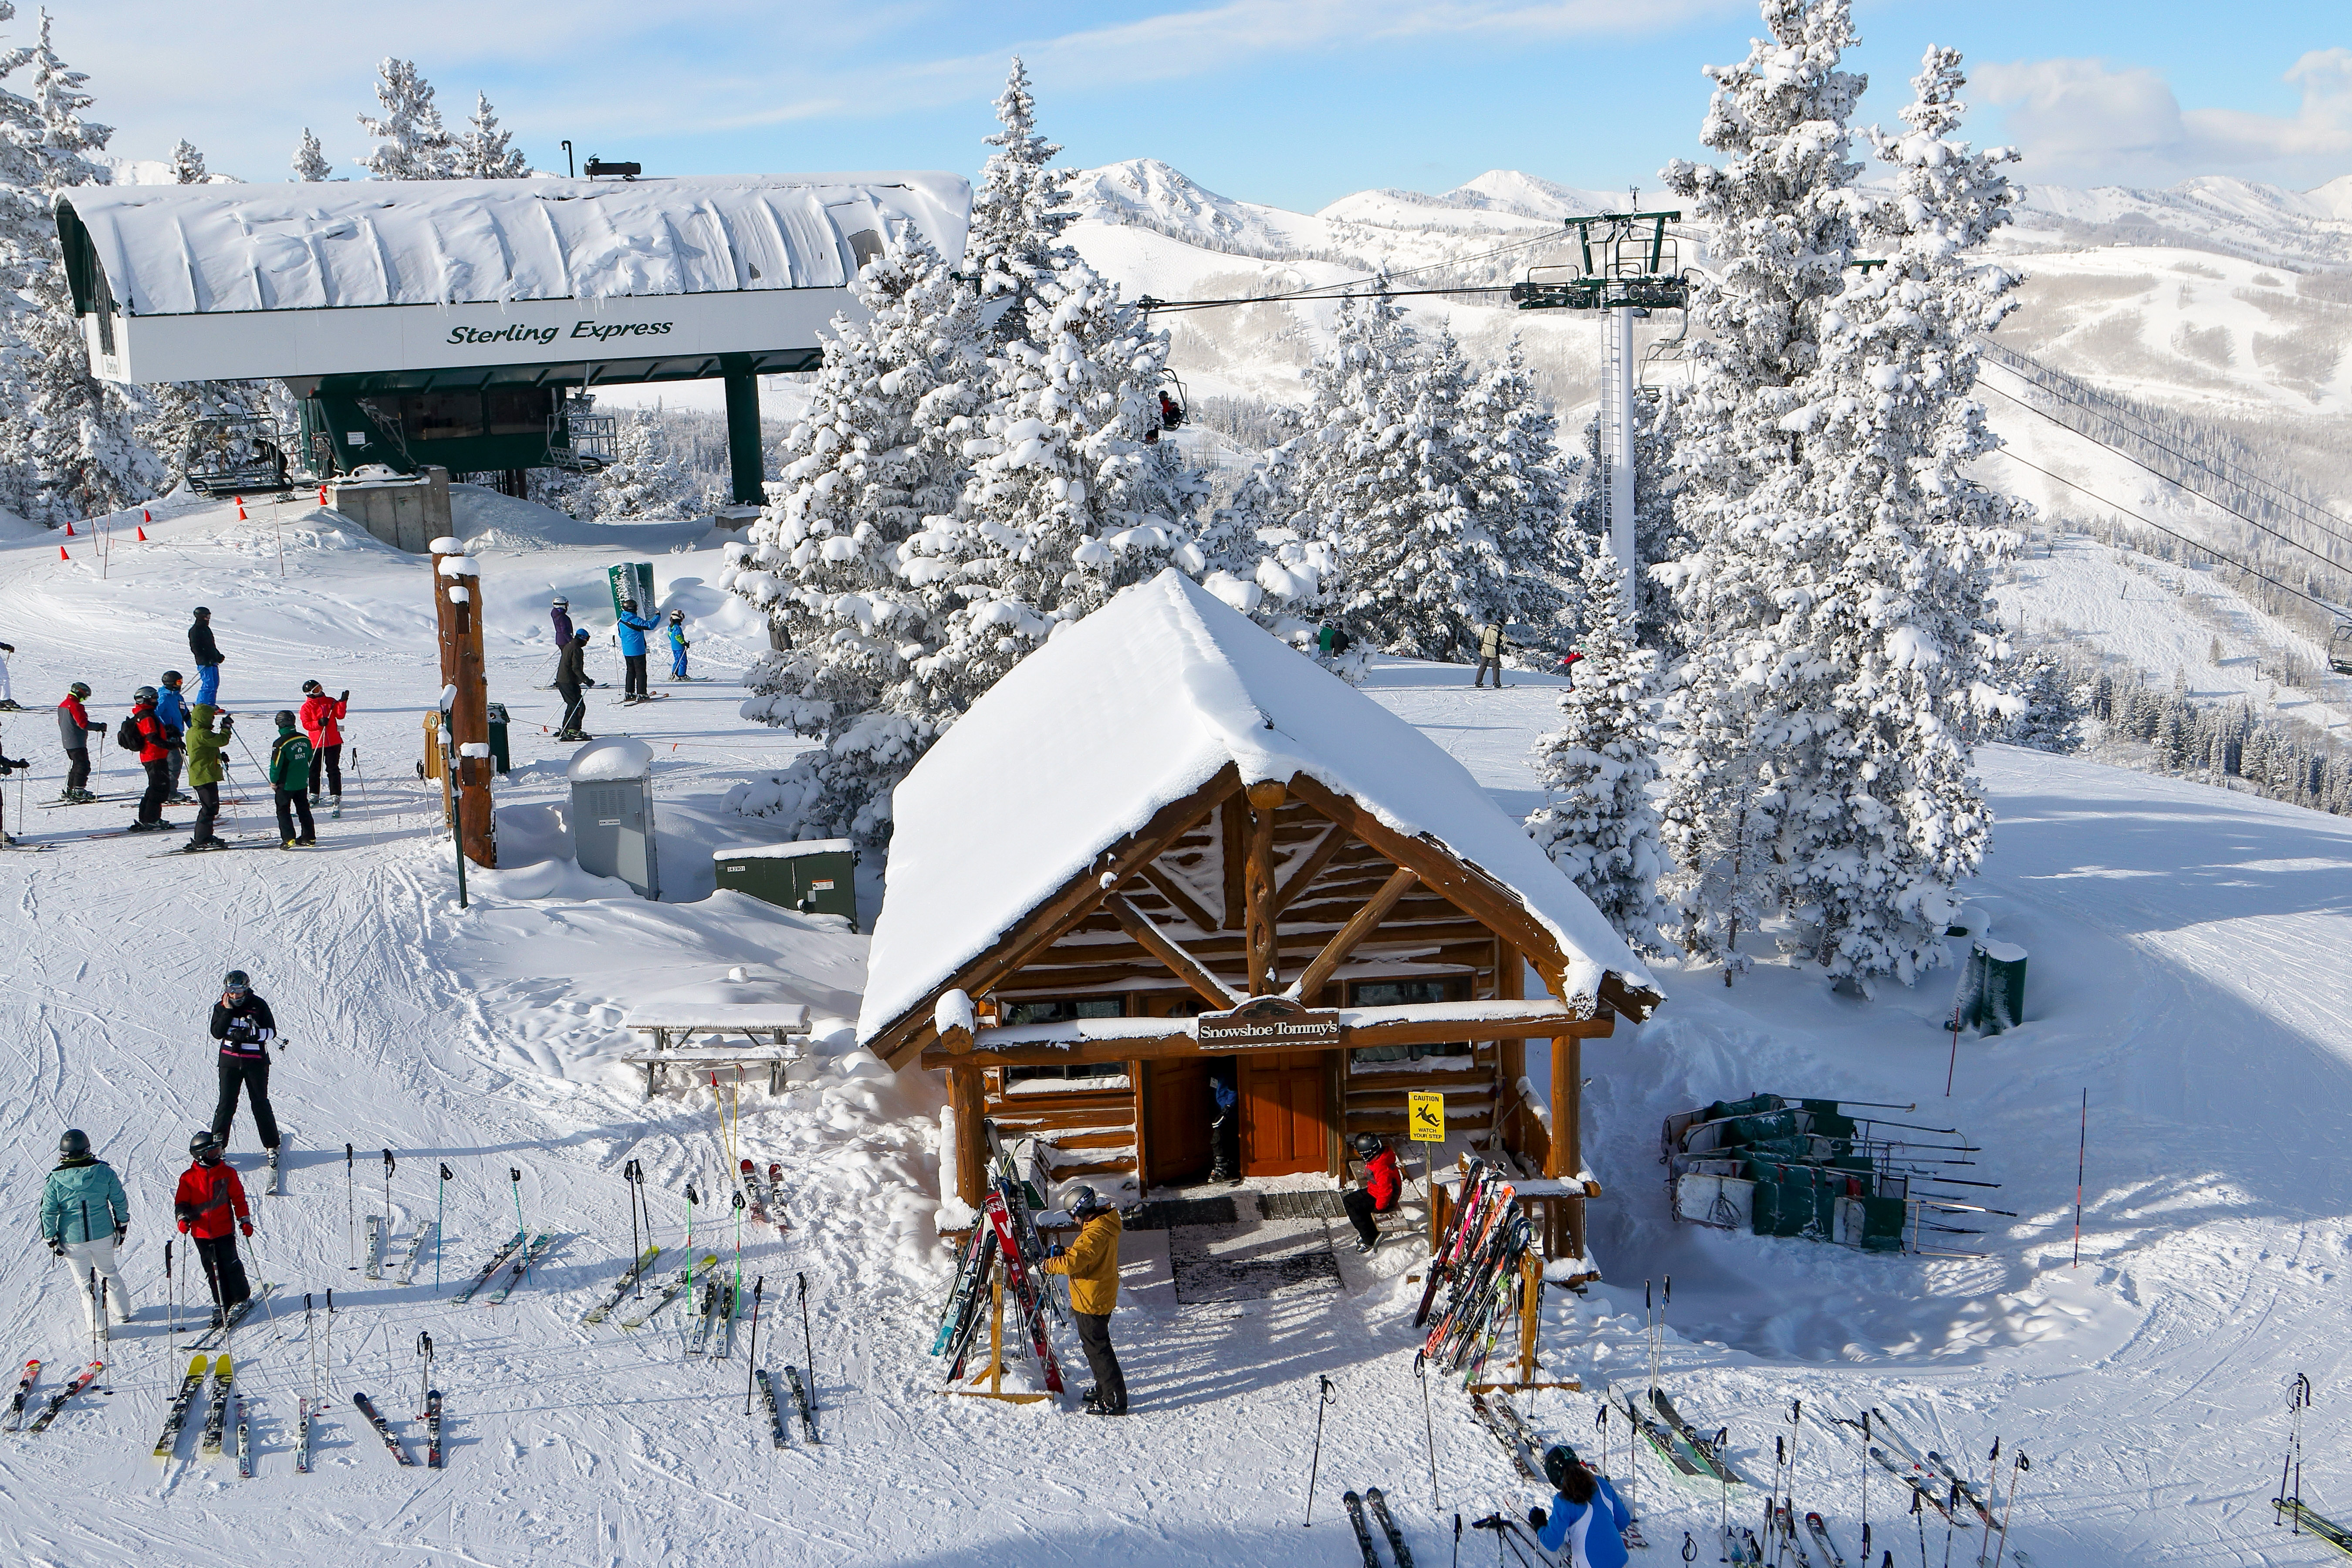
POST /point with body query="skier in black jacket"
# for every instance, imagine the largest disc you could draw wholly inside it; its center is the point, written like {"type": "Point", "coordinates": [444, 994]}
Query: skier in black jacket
{"type": "Point", "coordinates": [243, 1024]}
{"type": "Point", "coordinates": [207, 655]}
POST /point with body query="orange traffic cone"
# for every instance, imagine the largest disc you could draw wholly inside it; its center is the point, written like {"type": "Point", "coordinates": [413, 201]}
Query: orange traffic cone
{"type": "Point", "coordinates": [61, 553]}
{"type": "Point", "coordinates": [241, 508]}
{"type": "Point", "coordinates": [146, 516]}
{"type": "Point", "coordinates": [68, 530]}
{"type": "Point", "coordinates": [142, 536]}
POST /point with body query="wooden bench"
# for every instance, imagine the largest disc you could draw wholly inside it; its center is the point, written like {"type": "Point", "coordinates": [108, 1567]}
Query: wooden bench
{"type": "Point", "coordinates": [780, 1023]}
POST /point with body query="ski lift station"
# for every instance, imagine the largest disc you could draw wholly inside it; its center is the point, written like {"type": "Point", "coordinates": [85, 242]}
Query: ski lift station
{"type": "Point", "coordinates": [450, 322]}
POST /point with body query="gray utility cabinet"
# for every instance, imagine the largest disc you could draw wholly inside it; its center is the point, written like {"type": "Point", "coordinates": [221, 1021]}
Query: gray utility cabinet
{"type": "Point", "coordinates": [817, 876]}
{"type": "Point", "coordinates": [612, 813]}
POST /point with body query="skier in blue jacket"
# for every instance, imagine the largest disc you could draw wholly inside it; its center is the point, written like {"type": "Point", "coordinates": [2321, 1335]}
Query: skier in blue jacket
{"type": "Point", "coordinates": [1585, 1522]}
{"type": "Point", "coordinates": [172, 709]}
{"type": "Point", "coordinates": [633, 628]}
{"type": "Point", "coordinates": [677, 645]}
{"type": "Point", "coordinates": [83, 1217]}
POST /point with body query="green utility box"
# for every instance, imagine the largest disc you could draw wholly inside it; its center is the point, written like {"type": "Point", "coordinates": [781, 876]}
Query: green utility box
{"type": "Point", "coordinates": [499, 737]}
{"type": "Point", "coordinates": [815, 877]}
{"type": "Point", "coordinates": [632, 579]}
{"type": "Point", "coordinates": [1991, 997]}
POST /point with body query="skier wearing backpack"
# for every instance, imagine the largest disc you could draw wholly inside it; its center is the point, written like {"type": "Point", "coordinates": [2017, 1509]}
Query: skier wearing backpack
{"type": "Point", "coordinates": [207, 655]}
{"type": "Point", "coordinates": [144, 733]}
{"type": "Point", "coordinates": [677, 645]}
{"type": "Point", "coordinates": [322, 718]}
{"type": "Point", "coordinates": [84, 1217]}
{"type": "Point", "coordinates": [75, 727]}
{"type": "Point", "coordinates": [208, 729]}
{"type": "Point", "coordinates": [244, 1026]}
{"type": "Point", "coordinates": [631, 629]}
{"type": "Point", "coordinates": [211, 1208]}
{"type": "Point", "coordinates": [1585, 1524]}
{"type": "Point", "coordinates": [290, 781]}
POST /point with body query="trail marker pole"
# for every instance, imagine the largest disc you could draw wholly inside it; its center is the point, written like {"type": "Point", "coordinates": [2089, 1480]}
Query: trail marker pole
{"type": "Point", "coordinates": [2082, 1148]}
{"type": "Point", "coordinates": [1323, 1401]}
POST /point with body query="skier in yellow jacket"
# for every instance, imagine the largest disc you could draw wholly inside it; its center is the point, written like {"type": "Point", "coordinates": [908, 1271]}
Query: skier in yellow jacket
{"type": "Point", "coordinates": [1091, 1265]}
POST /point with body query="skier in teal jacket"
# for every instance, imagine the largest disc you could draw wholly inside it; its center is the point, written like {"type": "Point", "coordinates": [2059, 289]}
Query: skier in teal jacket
{"type": "Point", "coordinates": [83, 1216]}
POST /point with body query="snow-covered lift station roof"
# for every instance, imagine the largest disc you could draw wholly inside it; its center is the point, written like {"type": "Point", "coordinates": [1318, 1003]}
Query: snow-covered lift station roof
{"type": "Point", "coordinates": [460, 282]}
{"type": "Point", "coordinates": [1093, 748]}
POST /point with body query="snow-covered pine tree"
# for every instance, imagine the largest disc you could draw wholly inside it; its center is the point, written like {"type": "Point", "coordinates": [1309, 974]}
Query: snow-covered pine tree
{"type": "Point", "coordinates": [485, 149]}
{"type": "Point", "coordinates": [1019, 210]}
{"type": "Point", "coordinates": [71, 447]}
{"type": "Point", "coordinates": [188, 164]}
{"type": "Point", "coordinates": [1518, 490]}
{"type": "Point", "coordinates": [311, 164]}
{"type": "Point", "coordinates": [1599, 824]}
{"type": "Point", "coordinates": [411, 142]}
{"type": "Point", "coordinates": [860, 561]}
{"type": "Point", "coordinates": [646, 481]}
{"type": "Point", "coordinates": [2052, 719]}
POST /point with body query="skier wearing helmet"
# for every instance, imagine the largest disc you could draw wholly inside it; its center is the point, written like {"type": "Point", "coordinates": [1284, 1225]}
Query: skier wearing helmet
{"type": "Point", "coordinates": [677, 645]}
{"type": "Point", "coordinates": [207, 652]}
{"type": "Point", "coordinates": [631, 629]}
{"type": "Point", "coordinates": [244, 1026]}
{"type": "Point", "coordinates": [1091, 1266]}
{"type": "Point", "coordinates": [322, 718]}
{"type": "Point", "coordinates": [289, 779]}
{"type": "Point", "coordinates": [560, 612]}
{"type": "Point", "coordinates": [75, 727]}
{"type": "Point", "coordinates": [155, 741]}
{"type": "Point", "coordinates": [1587, 1519]}
{"type": "Point", "coordinates": [83, 1219]}
{"type": "Point", "coordinates": [211, 1208]}
{"type": "Point", "coordinates": [1383, 1183]}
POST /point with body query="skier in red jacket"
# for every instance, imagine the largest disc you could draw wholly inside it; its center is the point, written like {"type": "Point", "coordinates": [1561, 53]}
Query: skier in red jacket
{"type": "Point", "coordinates": [322, 718]}
{"type": "Point", "coordinates": [211, 1207]}
{"type": "Point", "coordinates": [156, 744]}
{"type": "Point", "coordinates": [1383, 1184]}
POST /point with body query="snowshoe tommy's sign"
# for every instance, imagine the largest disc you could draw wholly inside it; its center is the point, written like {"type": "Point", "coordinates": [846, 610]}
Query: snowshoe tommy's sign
{"type": "Point", "coordinates": [1274, 1022]}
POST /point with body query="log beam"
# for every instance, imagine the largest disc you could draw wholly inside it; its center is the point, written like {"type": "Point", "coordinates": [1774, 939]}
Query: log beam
{"type": "Point", "coordinates": [1334, 839]}
{"type": "Point", "coordinates": [968, 1099]}
{"type": "Point", "coordinates": [1360, 926]}
{"type": "Point", "coordinates": [1154, 941]}
{"type": "Point", "coordinates": [1265, 798]}
{"type": "Point", "coordinates": [1185, 903]}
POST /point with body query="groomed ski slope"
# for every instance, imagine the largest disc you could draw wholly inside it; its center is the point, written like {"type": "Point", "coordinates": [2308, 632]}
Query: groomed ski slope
{"type": "Point", "coordinates": [2187, 964]}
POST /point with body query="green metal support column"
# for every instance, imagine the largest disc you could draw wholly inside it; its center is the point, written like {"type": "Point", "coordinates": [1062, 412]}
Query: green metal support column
{"type": "Point", "coordinates": [744, 461]}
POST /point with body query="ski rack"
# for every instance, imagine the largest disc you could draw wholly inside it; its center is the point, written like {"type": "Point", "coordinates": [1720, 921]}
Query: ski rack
{"type": "Point", "coordinates": [992, 1373]}
{"type": "Point", "coordinates": [1531, 1327]}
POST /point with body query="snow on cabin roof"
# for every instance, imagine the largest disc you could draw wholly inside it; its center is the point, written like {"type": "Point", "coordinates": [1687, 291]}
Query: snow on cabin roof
{"type": "Point", "coordinates": [1135, 707]}
{"type": "Point", "coordinates": [196, 249]}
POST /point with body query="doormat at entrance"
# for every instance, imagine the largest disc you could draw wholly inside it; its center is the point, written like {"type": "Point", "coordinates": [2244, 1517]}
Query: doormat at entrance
{"type": "Point", "coordinates": [1262, 1262]}
{"type": "Point", "coordinates": [1167, 1214]}
{"type": "Point", "coordinates": [1313, 1203]}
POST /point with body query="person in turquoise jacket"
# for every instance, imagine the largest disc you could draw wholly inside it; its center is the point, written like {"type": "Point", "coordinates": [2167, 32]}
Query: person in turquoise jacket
{"type": "Point", "coordinates": [633, 628]}
{"type": "Point", "coordinates": [83, 1216]}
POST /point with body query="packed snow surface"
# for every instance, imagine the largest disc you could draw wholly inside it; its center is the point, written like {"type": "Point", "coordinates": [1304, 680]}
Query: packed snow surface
{"type": "Point", "coordinates": [2187, 965]}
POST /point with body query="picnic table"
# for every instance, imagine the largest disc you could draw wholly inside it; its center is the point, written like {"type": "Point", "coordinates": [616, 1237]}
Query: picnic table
{"type": "Point", "coordinates": [672, 1024]}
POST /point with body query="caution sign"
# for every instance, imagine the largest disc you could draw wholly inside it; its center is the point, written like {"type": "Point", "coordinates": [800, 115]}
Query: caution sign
{"type": "Point", "coordinates": [1424, 1116]}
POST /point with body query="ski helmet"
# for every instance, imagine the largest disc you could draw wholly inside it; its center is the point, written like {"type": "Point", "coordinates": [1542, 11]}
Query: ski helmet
{"type": "Point", "coordinates": [202, 614]}
{"type": "Point", "coordinates": [311, 686]}
{"type": "Point", "coordinates": [203, 1143]}
{"type": "Point", "coordinates": [173, 677]}
{"type": "Point", "coordinates": [1082, 1202]}
{"type": "Point", "coordinates": [74, 1144]}
{"type": "Point", "coordinates": [627, 603]}
{"type": "Point", "coordinates": [1368, 1145]}
{"type": "Point", "coordinates": [236, 979]}
{"type": "Point", "coordinates": [286, 718]}
{"type": "Point", "coordinates": [144, 694]}
{"type": "Point", "coordinates": [79, 689]}
{"type": "Point", "coordinates": [678, 615]}
{"type": "Point", "coordinates": [562, 603]}
{"type": "Point", "coordinates": [581, 634]}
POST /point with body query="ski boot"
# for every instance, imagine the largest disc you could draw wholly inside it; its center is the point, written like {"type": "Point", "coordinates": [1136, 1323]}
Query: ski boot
{"type": "Point", "coordinates": [335, 811]}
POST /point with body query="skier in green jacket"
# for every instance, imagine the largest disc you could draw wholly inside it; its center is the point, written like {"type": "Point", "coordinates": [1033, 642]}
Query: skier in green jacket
{"type": "Point", "coordinates": [289, 780]}
{"type": "Point", "coordinates": [208, 730]}
{"type": "Point", "coordinates": [83, 1217]}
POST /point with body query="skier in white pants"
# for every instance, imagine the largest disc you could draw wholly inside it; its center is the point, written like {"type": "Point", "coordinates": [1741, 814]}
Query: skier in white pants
{"type": "Point", "coordinates": [8, 692]}
{"type": "Point", "coordinates": [83, 1216]}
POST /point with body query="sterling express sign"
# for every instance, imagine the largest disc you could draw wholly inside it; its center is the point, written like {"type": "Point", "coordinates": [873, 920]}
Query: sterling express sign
{"type": "Point", "coordinates": [1267, 1023]}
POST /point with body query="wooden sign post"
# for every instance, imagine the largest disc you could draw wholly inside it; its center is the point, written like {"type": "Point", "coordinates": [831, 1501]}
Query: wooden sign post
{"type": "Point", "coordinates": [992, 1373]}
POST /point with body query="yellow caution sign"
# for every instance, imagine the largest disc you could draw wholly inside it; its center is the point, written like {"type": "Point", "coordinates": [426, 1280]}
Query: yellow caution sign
{"type": "Point", "coordinates": [1424, 1116]}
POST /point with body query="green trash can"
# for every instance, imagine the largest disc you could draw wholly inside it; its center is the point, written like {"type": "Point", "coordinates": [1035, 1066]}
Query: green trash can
{"type": "Point", "coordinates": [1991, 997]}
{"type": "Point", "coordinates": [498, 736]}
{"type": "Point", "coordinates": [817, 876]}
{"type": "Point", "coordinates": [635, 579]}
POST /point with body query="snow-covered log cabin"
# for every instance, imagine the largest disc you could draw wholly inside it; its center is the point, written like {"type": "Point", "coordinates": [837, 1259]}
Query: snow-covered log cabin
{"type": "Point", "coordinates": [1168, 844]}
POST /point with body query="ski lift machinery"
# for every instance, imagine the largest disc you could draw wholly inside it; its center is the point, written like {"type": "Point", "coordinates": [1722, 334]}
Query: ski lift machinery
{"type": "Point", "coordinates": [1628, 267]}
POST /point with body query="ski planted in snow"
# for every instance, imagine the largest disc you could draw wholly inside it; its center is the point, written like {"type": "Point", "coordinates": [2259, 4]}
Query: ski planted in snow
{"type": "Point", "coordinates": [747, 1176]}
{"type": "Point", "coordinates": [87, 1376]}
{"type": "Point", "coordinates": [235, 1316]}
{"type": "Point", "coordinates": [1820, 1530]}
{"type": "Point", "coordinates": [216, 1420]}
{"type": "Point", "coordinates": [489, 1269]}
{"type": "Point", "coordinates": [407, 1274]}
{"type": "Point", "coordinates": [24, 1387]}
{"type": "Point", "coordinates": [731, 1303]}
{"type": "Point", "coordinates": [376, 1224]}
{"type": "Point", "coordinates": [177, 1417]}
{"type": "Point", "coordinates": [775, 1416]}
{"type": "Point", "coordinates": [532, 1254]}
{"type": "Point", "coordinates": [680, 1283]}
{"type": "Point", "coordinates": [366, 1407]}
{"type": "Point", "coordinates": [1388, 1523]}
{"type": "Point", "coordinates": [612, 1298]}
{"type": "Point", "coordinates": [302, 1436]}
{"type": "Point", "coordinates": [243, 1439]}
{"type": "Point", "coordinates": [1682, 1466]}
{"type": "Point", "coordinates": [2327, 1529]}
{"type": "Point", "coordinates": [1363, 1529]}
{"type": "Point", "coordinates": [1702, 1448]}
{"type": "Point", "coordinates": [801, 1398]}
{"type": "Point", "coordinates": [1784, 1524]}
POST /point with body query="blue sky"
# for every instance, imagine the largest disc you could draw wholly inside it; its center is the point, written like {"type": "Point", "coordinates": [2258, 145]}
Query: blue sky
{"type": "Point", "coordinates": [1292, 102]}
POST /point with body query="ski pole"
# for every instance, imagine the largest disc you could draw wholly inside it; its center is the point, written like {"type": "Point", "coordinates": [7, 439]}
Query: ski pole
{"type": "Point", "coordinates": [1323, 1399]}
{"type": "Point", "coordinates": [808, 1348]}
{"type": "Point", "coordinates": [1865, 1488]}
{"type": "Point", "coordinates": [692, 1198]}
{"type": "Point", "coordinates": [424, 1372]}
{"type": "Point", "coordinates": [2018, 1468]}
{"type": "Point", "coordinates": [2298, 1399]}
{"type": "Point", "coordinates": [2082, 1148]}
{"type": "Point", "coordinates": [1992, 1492]}
{"type": "Point", "coordinates": [634, 1176]}
{"type": "Point", "coordinates": [738, 1249]}
{"type": "Point", "coordinates": [759, 1286]}
{"type": "Point", "coordinates": [387, 1197]}
{"type": "Point", "coordinates": [1920, 1514]}
{"type": "Point", "coordinates": [1428, 1421]}
{"type": "Point", "coordinates": [171, 1324]}
{"type": "Point", "coordinates": [440, 1231]}
{"type": "Point", "coordinates": [514, 1181]}
{"type": "Point", "coordinates": [351, 1223]}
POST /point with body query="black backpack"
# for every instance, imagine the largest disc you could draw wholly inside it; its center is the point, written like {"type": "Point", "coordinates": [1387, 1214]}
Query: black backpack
{"type": "Point", "coordinates": [127, 735]}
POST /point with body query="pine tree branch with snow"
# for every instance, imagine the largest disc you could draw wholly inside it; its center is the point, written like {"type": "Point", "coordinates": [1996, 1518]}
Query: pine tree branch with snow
{"type": "Point", "coordinates": [485, 150]}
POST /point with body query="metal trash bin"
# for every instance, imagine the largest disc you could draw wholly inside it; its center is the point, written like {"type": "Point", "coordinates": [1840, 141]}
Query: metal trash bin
{"type": "Point", "coordinates": [1991, 998]}
{"type": "Point", "coordinates": [613, 812]}
{"type": "Point", "coordinates": [817, 876]}
{"type": "Point", "coordinates": [498, 736]}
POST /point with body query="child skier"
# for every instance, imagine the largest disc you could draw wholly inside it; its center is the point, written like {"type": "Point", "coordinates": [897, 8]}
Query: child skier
{"type": "Point", "coordinates": [1585, 1523]}
{"type": "Point", "coordinates": [630, 629]}
{"type": "Point", "coordinates": [83, 1219]}
{"type": "Point", "coordinates": [677, 645]}
{"type": "Point", "coordinates": [75, 727]}
{"type": "Point", "coordinates": [322, 718]}
{"type": "Point", "coordinates": [211, 1208]}
{"type": "Point", "coordinates": [207, 730]}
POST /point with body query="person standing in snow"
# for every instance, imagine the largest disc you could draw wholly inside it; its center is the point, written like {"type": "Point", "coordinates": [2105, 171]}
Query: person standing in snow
{"type": "Point", "coordinates": [1091, 1266]}
{"type": "Point", "coordinates": [560, 612]}
{"type": "Point", "coordinates": [1585, 1524]}
{"type": "Point", "coordinates": [75, 727]}
{"type": "Point", "coordinates": [677, 645]}
{"type": "Point", "coordinates": [633, 628]}
{"type": "Point", "coordinates": [207, 655]}
{"type": "Point", "coordinates": [244, 1026]}
{"type": "Point", "coordinates": [155, 744]}
{"type": "Point", "coordinates": [174, 711]}
{"type": "Point", "coordinates": [1491, 644]}
{"type": "Point", "coordinates": [211, 1208]}
{"type": "Point", "coordinates": [1225, 1124]}
{"type": "Point", "coordinates": [322, 718]}
{"type": "Point", "coordinates": [206, 769]}
{"type": "Point", "coordinates": [570, 675]}
{"type": "Point", "coordinates": [8, 689]}
{"type": "Point", "coordinates": [84, 1218]}
{"type": "Point", "coordinates": [290, 781]}
{"type": "Point", "coordinates": [1383, 1184]}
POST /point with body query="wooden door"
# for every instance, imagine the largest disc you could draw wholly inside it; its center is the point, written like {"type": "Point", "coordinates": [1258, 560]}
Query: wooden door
{"type": "Point", "coordinates": [1284, 1129]}
{"type": "Point", "coordinates": [1177, 1132]}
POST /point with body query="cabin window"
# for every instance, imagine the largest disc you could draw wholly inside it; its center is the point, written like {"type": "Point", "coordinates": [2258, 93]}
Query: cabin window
{"type": "Point", "coordinates": [1401, 994]}
{"type": "Point", "coordinates": [1065, 1011]}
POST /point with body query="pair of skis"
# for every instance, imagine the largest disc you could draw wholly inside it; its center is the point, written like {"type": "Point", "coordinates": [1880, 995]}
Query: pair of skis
{"type": "Point", "coordinates": [776, 1432]}
{"type": "Point", "coordinates": [1380, 1509]}
{"type": "Point", "coordinates": [679, 1286]}
{"type": "Point", "coordinates": [57, 1401]}
{"type": "Point", "coordinates": [499, 1259]}
{"type": "Point", "coordinates": [603, 1307]}
{"type": "Point", "coordinates": [224, 1373]}
{"type": "Point", "coordinates": [765, 1196]}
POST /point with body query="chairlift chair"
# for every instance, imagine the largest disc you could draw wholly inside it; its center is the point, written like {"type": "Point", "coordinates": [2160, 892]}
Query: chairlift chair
{"type": "Point", "coordinates": [242, 452]}
{"type": "Point", "coordinates": [581, 442]}
{"type": "Point", "coordinates": [2339, 649]}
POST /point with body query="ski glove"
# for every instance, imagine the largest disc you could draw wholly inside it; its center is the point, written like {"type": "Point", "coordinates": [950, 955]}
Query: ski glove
{"type": "Point", "coordinates": [120, 1231]}
{"type": "Point", "coordinates": [184, 1227]}
{"type": "Point", "coordinates": [1054, 1250]}
{"type": "Point", "coordinates": [58, 1247]}
{"type": "Point", "coordinates": [1536, 1517]}
{"type": "Point", "coordinates": [245, 1226]}
{"type": "Point", "coordinates": [346, 696]}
